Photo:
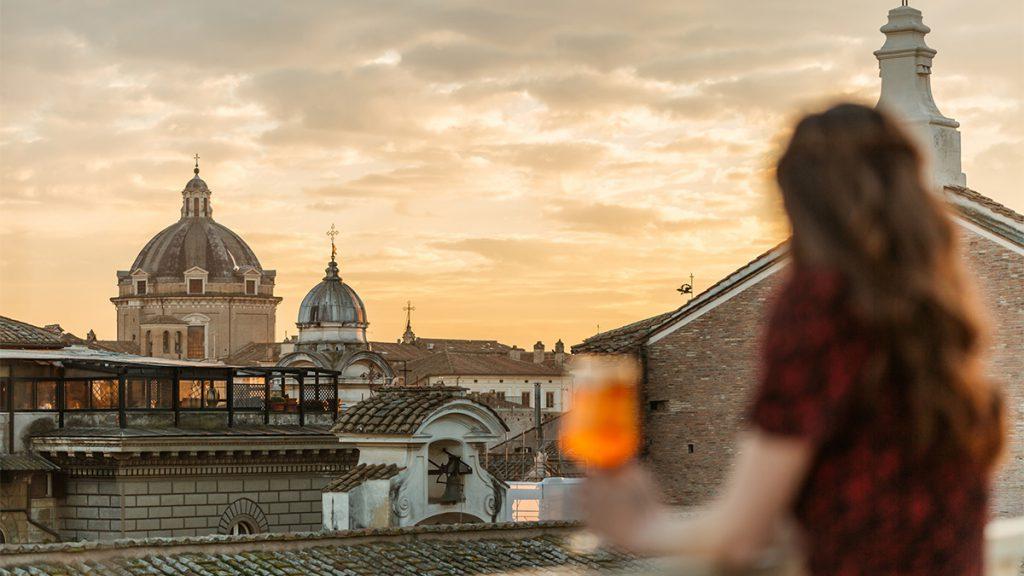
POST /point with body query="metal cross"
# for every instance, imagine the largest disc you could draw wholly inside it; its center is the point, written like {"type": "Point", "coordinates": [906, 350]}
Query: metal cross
{"type": "Point", "coordinates": [196, 170]}
{"type": "Point", "coordinates": [408, 308]}
{"type": "Point", "coordinates": [332, 233]}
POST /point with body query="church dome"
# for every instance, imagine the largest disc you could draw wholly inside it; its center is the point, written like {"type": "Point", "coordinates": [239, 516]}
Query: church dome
{"type": "Point", "coordinates": [196, 240]}
{"type": "Point", "coordinates": [332, 301]}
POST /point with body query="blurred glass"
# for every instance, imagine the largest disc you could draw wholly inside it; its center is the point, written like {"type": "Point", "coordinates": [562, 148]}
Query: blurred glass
{"type": "Point", "coordinates": [603, 427]}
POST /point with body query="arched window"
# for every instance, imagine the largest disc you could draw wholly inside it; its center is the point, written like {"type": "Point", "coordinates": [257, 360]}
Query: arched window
{"type": "Point", "coordinates": [167, 342]}
{"type": "Point", "coordinates": [149, 343]}
{"type": "Point", "coordinates": [195, 206]}
{"type": "Point", "coordinates": [204, 206]}
{"type": "Point", "coordinates": [243, 527]}
{"type": "Point", "coordinates": [3, 539]}
{"type": "Point", "coordinates": [177, 342]}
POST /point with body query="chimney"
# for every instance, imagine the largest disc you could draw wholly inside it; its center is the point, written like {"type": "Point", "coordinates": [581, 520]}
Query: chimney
{"type": "Point", "coordinates": [516, 353]}
{"type": "Point", "coordinates": [905, 66]}
{"type": "Point", "coordinates": [538, 352]}
{"type": "Point", "coordinates": [559, 352]}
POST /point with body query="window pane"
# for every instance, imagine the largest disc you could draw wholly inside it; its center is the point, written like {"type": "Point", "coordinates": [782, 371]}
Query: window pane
{"type": "Point", "coordinates": [135, 393]}
{"type": "Point", "coordinates": [215, 394]}
{"type": "Point", "coordinates": [190, 392]}
{"type": "Point", "coordinates": [104, 394]}
{"type": "Point", "coordinates": [161, 394]}
{"type": "Point", "coordinates": [22, 394]}
{"type": "Point", "coordinates": [46, 394]}
{"type": "Point", "coordinates": [76, 395]}
{"type": "Point", "coordinates": [195, 286]}
{"type": "Point", "coordinates": [3, 398]}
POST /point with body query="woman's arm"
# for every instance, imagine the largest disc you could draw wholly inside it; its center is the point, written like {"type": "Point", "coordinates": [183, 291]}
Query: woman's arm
{"type": "Point", "coordinates": [767, 474]}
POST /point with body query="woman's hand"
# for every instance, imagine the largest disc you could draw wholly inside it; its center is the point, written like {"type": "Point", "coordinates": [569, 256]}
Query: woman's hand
{"type": "Point", "coordinates": [622, 506]}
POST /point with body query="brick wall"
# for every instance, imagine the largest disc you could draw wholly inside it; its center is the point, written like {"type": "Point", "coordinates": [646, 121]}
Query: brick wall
{"type": "Point", "coordinates": [700, 380]}
{"type": "Point", "coordinates": [999, 274]}
{"type": "Point", "coordinates": [186, 506]}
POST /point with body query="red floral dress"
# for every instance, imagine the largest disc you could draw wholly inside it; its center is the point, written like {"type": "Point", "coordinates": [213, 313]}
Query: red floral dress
{"type": "Point", "coordinates": [866, 506]}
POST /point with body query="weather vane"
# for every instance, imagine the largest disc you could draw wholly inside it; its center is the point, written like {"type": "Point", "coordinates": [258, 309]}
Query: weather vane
{"type": "Point", "coordinates": [687, 288]}
{"type": "Point", "coordinates": [332, 233]}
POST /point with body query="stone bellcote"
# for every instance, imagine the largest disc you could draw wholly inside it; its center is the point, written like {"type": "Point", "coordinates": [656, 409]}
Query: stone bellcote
{"type": "Point", "coordinates": [905, 66]}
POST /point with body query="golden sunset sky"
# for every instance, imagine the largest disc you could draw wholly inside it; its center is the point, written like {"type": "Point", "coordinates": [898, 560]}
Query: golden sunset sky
{"type": "Point", "coordinates": [520, 170]}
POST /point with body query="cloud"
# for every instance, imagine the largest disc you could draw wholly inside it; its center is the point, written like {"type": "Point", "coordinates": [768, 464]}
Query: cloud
{"type": "Point", "coordinates": [562, 163]}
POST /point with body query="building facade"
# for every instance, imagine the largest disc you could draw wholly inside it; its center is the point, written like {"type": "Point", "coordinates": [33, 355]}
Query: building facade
{"type": "Point", "coordinates": [196, 290]}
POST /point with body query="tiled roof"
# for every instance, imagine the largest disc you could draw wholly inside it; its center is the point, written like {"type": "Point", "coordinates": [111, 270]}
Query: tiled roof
{"type": "Point", "coordinates": [467, 346]}
{"type": "Point", "coordinates": [987, 213]}
{"type": "Point", "coordinates": [116, 346]}
{"type": "Point", "coordinates": [26, 461]}
{"type": "Point", "coordinates": [630, 337]}
{"type": "Point", "coordinates": [394, 410]}
{"type": "Point", "coordinates": [15, 334]}
{"type": "Point", "coordinates": [397, 352]}
{"type": "Point", "coordinates": [471, 364]}
{"type": "Point", "coordinates": [619, 340]}
{"type": "Point", "coordinates": [254, 353]}
{"type": "Point", "coordinates": [362, 473]}
{"type": "Point", "coordinates": [465, 549]}
{"type": "Point", "coordinates": [987, 202]}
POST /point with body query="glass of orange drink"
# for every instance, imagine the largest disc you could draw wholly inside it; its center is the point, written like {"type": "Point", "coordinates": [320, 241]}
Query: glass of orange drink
{"type": "Point", "coordinates": [602, 426]}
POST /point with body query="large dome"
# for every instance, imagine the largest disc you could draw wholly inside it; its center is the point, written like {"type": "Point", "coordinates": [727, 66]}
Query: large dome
{"type": "Point", "coordinates": [332, 301]}
{"type": "Point", "coordinates": [196, 240]}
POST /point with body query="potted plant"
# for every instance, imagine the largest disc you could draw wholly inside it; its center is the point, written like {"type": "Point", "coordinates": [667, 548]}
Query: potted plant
{"type": "Point", "coordinates": [277, 403]}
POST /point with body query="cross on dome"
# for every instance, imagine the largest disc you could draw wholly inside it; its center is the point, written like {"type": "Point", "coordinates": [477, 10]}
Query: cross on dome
{"type": "Point", "coordinates": [196, 169]}
{"type": "Point", "coordinates": [332, 233]}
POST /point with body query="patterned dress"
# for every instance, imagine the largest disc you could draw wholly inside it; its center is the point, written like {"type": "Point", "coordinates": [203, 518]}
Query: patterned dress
{"type": "Point", "coordinates": [866, 506]}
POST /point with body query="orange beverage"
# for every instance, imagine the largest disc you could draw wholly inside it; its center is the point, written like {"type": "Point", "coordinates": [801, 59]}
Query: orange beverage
{"type": "Point", "coordinates": [602, 425]}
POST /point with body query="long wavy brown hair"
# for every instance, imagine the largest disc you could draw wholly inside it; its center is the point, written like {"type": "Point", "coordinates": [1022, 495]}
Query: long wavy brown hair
{"type": "Point", "coordinates": [854, 189]}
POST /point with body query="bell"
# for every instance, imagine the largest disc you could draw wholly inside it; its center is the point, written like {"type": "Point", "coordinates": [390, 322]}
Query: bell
{"type": "Point", "coordinates": [452, 492]}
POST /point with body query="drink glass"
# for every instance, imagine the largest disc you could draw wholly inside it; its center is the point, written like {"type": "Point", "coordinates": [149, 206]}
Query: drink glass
{"type": "Point", "coordinates": [602, 426]}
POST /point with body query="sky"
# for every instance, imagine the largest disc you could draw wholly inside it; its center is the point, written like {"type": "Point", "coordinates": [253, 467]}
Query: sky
{"type": "Point", "coordinates": [520, 170]}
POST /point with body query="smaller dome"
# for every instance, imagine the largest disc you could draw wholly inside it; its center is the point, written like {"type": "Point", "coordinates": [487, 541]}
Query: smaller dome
{"type": "Point", "coordinates": [196, 184]}
{"type": "Point", "coordinates": [332, 301]}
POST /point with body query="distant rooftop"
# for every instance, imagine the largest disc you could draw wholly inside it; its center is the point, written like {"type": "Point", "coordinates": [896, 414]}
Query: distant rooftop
{"type": "Point", "coordinates": [522, 548]}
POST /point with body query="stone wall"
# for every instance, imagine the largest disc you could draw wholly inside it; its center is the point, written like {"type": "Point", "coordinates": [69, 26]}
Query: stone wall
{"type": "Point", "coordinates": [108, 508]}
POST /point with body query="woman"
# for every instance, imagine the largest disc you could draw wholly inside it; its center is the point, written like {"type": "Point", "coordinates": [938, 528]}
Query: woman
{"type": "Point", "coordinates": [873, 426]}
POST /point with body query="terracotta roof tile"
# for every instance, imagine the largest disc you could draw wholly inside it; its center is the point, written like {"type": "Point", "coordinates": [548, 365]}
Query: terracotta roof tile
{"type": "Point", "coordinates": [255, 353]}
{"type": "Point", "coordinates": [467, 549]}
{"type": "Point", "coordinates": [15, 334]}
{"type": "Point", "coordinates": [26, 461]}
{"type": "Point", "coordinates": [471, 364]}
{"type": "Point", "coordinates": [394, 410]}
{"type": "Point", "coordinates": [362, 473]}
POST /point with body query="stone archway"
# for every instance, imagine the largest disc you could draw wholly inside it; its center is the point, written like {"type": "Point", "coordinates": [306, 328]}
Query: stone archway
{"type": "Point", "coordinates": [243, 512]}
